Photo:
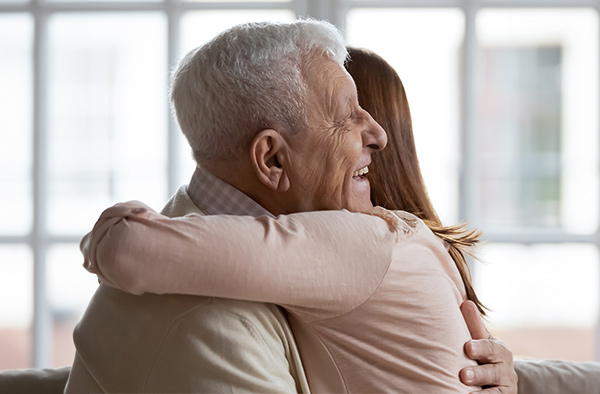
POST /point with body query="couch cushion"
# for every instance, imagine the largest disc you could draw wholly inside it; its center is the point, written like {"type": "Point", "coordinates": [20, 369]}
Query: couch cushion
{"type": "Point", "coordinates": [558, 377]}
{"type": "Point", "coordinates": [34, 381]}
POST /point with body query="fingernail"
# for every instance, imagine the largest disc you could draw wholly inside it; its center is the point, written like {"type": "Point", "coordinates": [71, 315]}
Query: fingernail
{"type": "Point", "coordinates": [469, 375]}
{"type": "Point", "coordinates": [474, 347]}
{"type": "Point", "coordinates": [137, 211]}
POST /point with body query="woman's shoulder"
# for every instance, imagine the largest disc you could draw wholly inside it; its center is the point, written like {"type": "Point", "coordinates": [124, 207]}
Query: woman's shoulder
{"type": "Point", "coordinates": [405, 224]}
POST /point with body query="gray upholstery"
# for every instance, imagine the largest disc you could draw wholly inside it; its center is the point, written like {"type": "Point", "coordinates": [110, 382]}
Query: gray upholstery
{"type": "Point", "coordinates": [34, 381]}
{"type": "Point", "coordinates": [535, 377]}
{"type": "Point", "coordinates": [558, 377]}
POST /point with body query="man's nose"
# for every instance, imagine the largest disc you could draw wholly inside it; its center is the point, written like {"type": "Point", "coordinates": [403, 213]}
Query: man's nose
{"type": "Point", "coordinates": [374, 135]}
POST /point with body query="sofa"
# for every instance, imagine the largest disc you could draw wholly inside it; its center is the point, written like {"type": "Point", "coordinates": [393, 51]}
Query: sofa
{"type": "Point", "coordinates": [535, 377]}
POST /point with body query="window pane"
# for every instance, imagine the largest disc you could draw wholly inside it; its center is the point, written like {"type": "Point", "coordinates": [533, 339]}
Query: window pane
{"type": "Point", "coordinates": [16, 306]}
{"type": "Point", "coordinates": [199, 27]}
{"type": "Point", "coordinates": [539, 119]}
{"type": "Point", "coordinates": [544, 298]}
{"type": "Point", "coordinates": [70, 287]}
{"type": "Point", "coordinates": [107, 115]}
{"type": "Point", "coordinates": [16, 38]}
{"type": "Point", "coordinates": [424, 48]}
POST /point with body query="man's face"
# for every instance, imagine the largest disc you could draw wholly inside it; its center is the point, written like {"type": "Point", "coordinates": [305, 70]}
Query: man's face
{"type": "Point", "coordinates": [330, 159]}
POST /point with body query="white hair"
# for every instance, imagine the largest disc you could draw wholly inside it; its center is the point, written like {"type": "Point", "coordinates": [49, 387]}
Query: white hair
{"type": "Point", "coordinates": [247, 79]}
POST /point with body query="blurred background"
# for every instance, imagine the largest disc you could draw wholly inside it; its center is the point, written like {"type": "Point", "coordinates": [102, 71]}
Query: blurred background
{"type": "Point", "coordinates": [504, 96]}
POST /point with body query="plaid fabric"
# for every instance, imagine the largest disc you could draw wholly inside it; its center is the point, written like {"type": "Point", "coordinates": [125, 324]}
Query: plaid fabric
{"type": "Point", "coordinates": [216, 197]}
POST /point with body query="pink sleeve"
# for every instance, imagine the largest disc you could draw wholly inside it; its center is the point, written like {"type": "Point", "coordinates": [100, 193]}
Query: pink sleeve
{"type": "Point", "coordinates": [316, 263]}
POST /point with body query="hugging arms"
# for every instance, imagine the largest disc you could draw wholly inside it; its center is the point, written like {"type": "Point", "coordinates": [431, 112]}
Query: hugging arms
{"type": "Point", "coordinates": [379, 291]}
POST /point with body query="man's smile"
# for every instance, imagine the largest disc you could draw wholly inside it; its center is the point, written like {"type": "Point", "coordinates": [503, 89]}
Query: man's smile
{"type": "Point", "coordinates": [362, 171]}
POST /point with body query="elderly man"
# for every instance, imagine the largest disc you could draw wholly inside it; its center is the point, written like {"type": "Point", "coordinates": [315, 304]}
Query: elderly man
{"type": "Point", "coordinates": [259, 106]}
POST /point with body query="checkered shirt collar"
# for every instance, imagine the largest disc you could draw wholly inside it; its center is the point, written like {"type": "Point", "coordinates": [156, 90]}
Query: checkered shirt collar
{"type": "Point", "coordinates": [216, 197]}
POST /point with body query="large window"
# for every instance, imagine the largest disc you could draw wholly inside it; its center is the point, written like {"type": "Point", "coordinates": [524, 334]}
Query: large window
{"type": "Point", "coordinates": [538, 177]}
{"type": "Point", "coordinates": [505, 111]}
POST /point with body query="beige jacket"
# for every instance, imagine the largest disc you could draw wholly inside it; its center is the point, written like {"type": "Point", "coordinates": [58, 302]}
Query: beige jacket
{"type": "Point", "coordinates": [184, 344]}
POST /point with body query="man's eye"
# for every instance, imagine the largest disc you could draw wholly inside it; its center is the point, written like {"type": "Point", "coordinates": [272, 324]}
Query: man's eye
{"type": "Point", "coordinates": [343, 122]}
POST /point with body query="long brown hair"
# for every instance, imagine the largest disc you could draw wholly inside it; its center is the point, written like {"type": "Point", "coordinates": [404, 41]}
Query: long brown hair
{"type": "Point", "coordinates": [396, 180]}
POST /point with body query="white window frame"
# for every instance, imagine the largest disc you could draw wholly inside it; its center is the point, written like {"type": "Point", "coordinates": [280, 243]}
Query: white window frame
{"type": "Point", "coordinates": [39, 240]}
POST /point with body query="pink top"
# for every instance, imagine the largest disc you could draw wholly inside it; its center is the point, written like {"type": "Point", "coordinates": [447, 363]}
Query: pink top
{"type": "Point", "coordinates": [383, 297]}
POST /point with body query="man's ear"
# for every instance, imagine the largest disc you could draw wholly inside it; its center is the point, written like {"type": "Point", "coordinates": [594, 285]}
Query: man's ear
{"type": "Point", "coordinates": [267, 153]}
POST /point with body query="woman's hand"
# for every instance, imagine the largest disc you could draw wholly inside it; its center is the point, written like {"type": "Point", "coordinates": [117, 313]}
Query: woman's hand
{"type": "Point", "coordinates": [107, 220]}
{"type": "Point", "coordinates": [495, 372]}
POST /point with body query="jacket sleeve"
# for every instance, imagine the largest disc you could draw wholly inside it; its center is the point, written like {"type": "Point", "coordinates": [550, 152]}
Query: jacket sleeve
{"type": "Point", "coordinates": [317, 264]}
{"type": "Point", "coordinates": [181, 344]}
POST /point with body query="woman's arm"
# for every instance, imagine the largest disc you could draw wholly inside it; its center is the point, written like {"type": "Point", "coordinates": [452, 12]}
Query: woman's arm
{"type": "Point", "coordinates": [332, 260]}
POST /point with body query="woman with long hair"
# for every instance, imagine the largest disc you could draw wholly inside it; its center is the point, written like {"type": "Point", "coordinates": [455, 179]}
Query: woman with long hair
{"type": "Point", "coordinates": [396, 179]}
